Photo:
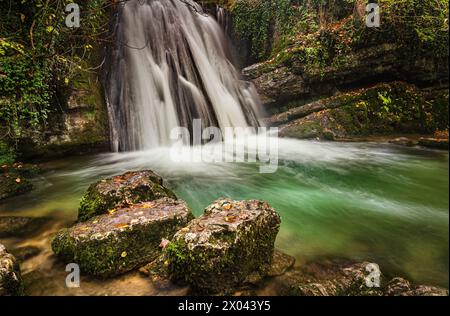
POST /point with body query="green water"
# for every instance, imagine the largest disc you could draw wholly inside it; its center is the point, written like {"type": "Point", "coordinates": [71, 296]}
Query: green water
{"type": "Point", "coordinates": [374, 202]}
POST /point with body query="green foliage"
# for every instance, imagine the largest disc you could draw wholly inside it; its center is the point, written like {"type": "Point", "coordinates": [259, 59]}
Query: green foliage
{"type": "Point", "coordinates": [39, 56]}
{"type": "Point", "coordinates": [7, 154]}
{"type": "Point", "coordinates": [316, 34]}
{"type": "Point", "coordinates": [257, 20]}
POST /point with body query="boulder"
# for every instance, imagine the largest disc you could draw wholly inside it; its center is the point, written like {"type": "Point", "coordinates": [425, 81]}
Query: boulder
{"type": "Point", "coordinates": [218, 251]}
{"type": "Point", "coordinates": [120, 191]}
{"type": "Point", "coordinates": [11, 283]}
{"type": "Point", "coordinates": [14, 226]}
{"type": "Point", "coordinates": [122, 240]}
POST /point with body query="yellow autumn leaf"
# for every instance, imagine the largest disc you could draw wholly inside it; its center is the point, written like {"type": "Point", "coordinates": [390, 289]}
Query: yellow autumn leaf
{"type": "Point", "coordinates": [124, 254]}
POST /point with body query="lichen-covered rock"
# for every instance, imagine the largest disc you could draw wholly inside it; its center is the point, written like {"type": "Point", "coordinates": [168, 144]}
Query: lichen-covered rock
{"type": "Point", "coordinates": [222, 248]}
{"type": "Point", "coordinates": [122, 240]}
{"type": "Point", "coordinates": [11, 283]}
{"type": "Point", "coordinates": [120, 191]}
{"type": "Point", "coordinates": [12, 226]}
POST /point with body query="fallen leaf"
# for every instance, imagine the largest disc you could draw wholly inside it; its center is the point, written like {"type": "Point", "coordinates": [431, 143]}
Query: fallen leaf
{"type": "Point", "coordinates": [124, 254]}
{"type": "Point", "coordinates": [122, 225]}
{"type": "Point", "coordinates": [18, 180]}
{"type": "Point", "coordinates": [230, 219]}
{"type": "Point", "coordinates": [112, 211]}
{"type": "Point", "coordinates": [227, 206]}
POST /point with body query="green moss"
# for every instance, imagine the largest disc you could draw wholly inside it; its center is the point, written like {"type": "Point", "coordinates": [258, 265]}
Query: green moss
{"type": "Point", "coordinates": [380, 110]}
{"type": "Point", "coordinates": [7, 154]}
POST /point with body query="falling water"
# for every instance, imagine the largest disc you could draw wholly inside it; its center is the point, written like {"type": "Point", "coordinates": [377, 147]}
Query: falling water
{"type": "Point", "coordinates": [170, 64]}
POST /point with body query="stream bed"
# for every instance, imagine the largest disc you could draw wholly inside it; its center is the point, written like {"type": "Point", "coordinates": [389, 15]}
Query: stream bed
{"type": "Point", "coordinates": [361, 201]}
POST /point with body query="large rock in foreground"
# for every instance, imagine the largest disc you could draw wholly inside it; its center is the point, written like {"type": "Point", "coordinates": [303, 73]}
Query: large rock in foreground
{"type": "Point", "coordinates": [218, 251]}
{"type": "Point", "coordinates": [10, 278]}
{"type": "Point", "coordinates": [121, 191]}
{"type": "Point", "coordinates": [125, 239]}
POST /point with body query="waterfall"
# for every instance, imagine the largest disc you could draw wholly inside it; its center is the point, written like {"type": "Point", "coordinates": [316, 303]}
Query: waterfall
{"type": "Point", "coordinates": [170, 63]}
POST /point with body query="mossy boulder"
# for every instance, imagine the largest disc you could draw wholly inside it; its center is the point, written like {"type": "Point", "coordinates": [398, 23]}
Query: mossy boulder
{"type": "Point", "coordinates": [120, 191]}
{"type": "Point", "coordinates": [218, 251]}
{"type": "Point", "coordinates": [122, 240]}
{"type": "Point", "coordinates": [11, 283]}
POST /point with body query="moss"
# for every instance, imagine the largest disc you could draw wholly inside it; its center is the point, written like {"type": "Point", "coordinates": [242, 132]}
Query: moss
{"type": "Point", "coordinates": [109, 194]}
{"type": "Point", "coordinates": [228, 257]}
{"type": "Point", "coordinates": [7, 153]}
{"type": "Point", "coordinates": [115, 252]}
{"type": "Point", "coordinates": [383, 109]}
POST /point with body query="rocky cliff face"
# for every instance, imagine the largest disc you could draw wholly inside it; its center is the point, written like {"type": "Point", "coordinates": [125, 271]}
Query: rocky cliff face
{"type": "Point", "coordinates": [312, 57]}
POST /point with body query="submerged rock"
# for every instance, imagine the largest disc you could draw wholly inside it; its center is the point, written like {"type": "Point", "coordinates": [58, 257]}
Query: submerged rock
{"type": "Point", "coordinates": [122, 240]}
{"type": "Point", "coordinates": [12, 185]}
{"type": "Point", "coordinates": [218, 251]}
{"type": "Point", "coordinates": [121, 191]}
{"type": "Point", "coordinates": [11, 283]}
{"type": "Point", "coordinates": [280, 264]}
{"type": "Point", "coordinates": [26, 252]}
{"type": "Point", "coordinates": [13, 226]}
{"type": "Point", "coordinates": [340, 278]}
{"type": "Point", "coordinates": [402, 287]}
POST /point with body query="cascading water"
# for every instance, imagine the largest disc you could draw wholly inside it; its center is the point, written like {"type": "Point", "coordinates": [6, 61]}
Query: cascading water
{"type": "Point", "coordinates": [170, 64]}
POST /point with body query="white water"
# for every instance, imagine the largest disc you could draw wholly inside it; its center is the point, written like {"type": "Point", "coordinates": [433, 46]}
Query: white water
{"type": "Point", "coordinates": [170, 65]}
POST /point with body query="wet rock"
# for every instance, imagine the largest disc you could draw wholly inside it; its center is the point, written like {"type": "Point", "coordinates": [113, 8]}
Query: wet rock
{"type": "Point", "coordinates": [122, 240]}
{"type": "Point", "coordinates": [329, 278]}
{"type": "Point", "coordinates": [402, 287]}
{"type": "Point", "coordinates": [120, 191]}
{"type": "Point", "coordinates": [12, 184]}
{"type": "Point", "coordinates": [434, 143]}
{"type": "Point", "coordinates": [11, 283]}
{"type": "Point", "coordinates": [14, 226]}
{"type": "Point", "coordinates": [280, 264]}
{"type": "Point", "coordinates": [403, 141]}
{"type": "Point", "coordinates": [26, 252]}
{"type": "Point", "coordinates": [341, 278]}
{"type": "Point", "coordinates": [220, 250]}
{"type": "Point", "coordinates": [14, 179]}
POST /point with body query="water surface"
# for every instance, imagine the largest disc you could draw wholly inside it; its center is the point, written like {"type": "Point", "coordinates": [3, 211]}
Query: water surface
{"type": "Point", "coordinates": [361, 201]}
